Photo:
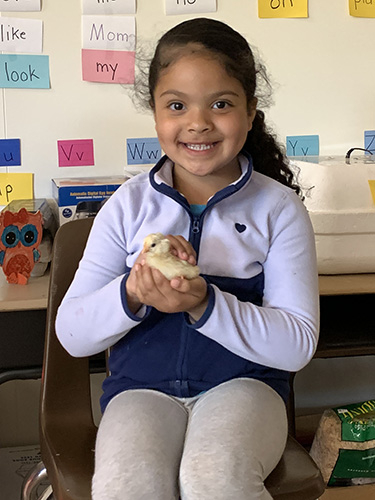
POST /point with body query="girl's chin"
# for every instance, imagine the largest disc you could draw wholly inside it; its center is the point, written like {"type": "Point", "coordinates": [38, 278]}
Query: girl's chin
{"type": "Point", "coordinates": [197, 170]}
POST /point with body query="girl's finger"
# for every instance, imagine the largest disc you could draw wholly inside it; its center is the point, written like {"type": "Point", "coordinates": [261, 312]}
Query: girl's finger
{"type": "Point", "coordinates": [145, 279]}
{"type": "Point", "coordinates": [152, 282]}
{"type": "Point", "coordinates": [182, 248]}
{"type": "Point", "coordinates": [159, 279]}
{"type": "Point", "coordinates": [180, 284]}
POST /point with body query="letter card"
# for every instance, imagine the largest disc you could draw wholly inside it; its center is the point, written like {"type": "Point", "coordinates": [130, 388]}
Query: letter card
{"type": "Point", "coordinates": [282, 8]}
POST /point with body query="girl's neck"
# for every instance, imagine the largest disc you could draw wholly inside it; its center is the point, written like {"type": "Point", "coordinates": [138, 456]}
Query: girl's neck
{"type": "Point", "coordinates": [198, 190]}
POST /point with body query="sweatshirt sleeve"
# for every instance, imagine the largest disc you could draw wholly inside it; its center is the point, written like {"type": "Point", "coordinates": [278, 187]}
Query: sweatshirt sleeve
{"type": "Point", "coordinates": [283, 332]}
{"type": "Point", "coordinates": [94, 314]}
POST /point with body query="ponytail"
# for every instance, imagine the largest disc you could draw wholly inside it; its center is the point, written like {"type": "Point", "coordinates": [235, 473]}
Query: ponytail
{"type": "Point", "coordinates": [268, 157]}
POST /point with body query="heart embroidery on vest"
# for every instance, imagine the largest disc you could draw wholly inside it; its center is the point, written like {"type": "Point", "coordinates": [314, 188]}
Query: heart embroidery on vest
{"type": "Point", "coordinates": [240, 227]}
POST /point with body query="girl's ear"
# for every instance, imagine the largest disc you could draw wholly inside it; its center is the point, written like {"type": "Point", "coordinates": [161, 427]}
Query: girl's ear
{"type": "Point", "coordinates": [152, 105]}
{"type": "Point", "coordinates": [252, 111]}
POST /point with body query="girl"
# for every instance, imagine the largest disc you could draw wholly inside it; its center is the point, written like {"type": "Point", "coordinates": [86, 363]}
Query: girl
{"type": "Point", "coordinates": [194, 404]}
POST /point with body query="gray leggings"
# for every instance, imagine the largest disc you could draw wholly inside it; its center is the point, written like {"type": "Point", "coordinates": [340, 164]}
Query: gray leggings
{"type": "Point", "coordinates": [219, 445]}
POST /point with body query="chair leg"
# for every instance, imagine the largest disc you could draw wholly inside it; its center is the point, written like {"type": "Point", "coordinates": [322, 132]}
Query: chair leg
{"type": "Point", "coordinates": [37, 475]}
{"type": "Point", "coordinates": [47, 494]}
{"type": "Point", "coordinates": [291, 407]}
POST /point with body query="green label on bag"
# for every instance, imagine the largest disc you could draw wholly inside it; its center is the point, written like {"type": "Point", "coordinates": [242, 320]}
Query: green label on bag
{"type": "Point", "coordinates": [357, 421]}
{"type": "Point", "coordinates": [353, 464]}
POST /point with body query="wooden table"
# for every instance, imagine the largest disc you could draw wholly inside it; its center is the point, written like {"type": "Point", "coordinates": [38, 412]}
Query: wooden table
{"type": "Point", "coordinates": [347, 315]}
{"type": "Point", "coordinates": [346, 284]}
{"type": "Point", "coordinates": [22, 325]}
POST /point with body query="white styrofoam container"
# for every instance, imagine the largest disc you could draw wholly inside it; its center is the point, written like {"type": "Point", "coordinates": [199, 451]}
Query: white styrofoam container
{"type": "Point", "coordinates": [342, 213]}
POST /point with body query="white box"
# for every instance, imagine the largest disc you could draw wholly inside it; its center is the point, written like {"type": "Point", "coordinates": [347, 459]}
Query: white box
{"type": "Point", "coordinates": [342, 212]}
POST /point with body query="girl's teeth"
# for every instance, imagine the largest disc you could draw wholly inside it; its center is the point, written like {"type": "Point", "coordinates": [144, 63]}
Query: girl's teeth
{"type": "Point", "coordinates": [199, 147]}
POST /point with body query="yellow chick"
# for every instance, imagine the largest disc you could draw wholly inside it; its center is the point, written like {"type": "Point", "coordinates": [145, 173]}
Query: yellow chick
{"type": "Point", "coordinates": [156, 248]}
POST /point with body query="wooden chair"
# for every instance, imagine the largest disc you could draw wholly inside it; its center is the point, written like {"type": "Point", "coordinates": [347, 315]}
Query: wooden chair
{"type": "Point", "coordinates": [67, 430]}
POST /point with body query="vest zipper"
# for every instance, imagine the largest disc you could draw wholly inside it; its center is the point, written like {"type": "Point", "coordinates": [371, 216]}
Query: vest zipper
{"type": "Point", "coordinates": [195, 233]}
{"type": "Point", "coordinates": [195, 229]}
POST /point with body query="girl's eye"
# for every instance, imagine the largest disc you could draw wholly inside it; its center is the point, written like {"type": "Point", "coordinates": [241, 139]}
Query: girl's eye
{"type": "Point", "coordinates": [220, 105]}
{"type": "Point", "coordinates": [176, 106]}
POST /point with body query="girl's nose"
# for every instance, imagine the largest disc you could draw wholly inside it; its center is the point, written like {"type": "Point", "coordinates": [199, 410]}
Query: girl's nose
{"type": "Point", "coordinates": [199, 121]}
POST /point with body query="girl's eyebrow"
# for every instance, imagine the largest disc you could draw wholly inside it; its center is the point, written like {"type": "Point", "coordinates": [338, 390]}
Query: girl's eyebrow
{"type": "Point", "coordinates": [215, 95]}
{"type": "Point", "coordinates": [222, 93]}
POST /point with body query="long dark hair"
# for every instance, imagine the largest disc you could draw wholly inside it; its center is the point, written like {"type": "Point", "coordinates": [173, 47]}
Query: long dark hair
{"type": "Point", "coordinates": [234, 52]}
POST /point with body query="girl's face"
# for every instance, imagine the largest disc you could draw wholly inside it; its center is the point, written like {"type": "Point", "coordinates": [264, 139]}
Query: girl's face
{"type": "Point", "coordinates": [201, 117]}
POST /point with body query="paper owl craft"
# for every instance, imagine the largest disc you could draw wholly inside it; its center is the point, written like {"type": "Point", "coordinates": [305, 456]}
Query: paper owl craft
{"type": "Point", "coordinates": [20, 236]}
{"type": "Point", "coordinates": [156, 248]}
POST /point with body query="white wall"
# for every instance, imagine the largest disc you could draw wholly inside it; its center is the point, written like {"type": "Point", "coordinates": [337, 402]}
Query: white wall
{"type": "Point", "coordinates": [322, 66]}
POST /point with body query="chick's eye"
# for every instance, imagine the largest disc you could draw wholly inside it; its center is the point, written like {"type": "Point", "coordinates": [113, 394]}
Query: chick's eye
{"type": "Point", "coordinates": [220, 105]}
{"type": "Point", "coordinates": [176, 106]}
{"type": "Point", "coordinates": [153, 245]}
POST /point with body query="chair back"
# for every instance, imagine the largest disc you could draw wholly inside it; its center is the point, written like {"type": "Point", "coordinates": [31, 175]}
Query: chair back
{"type": "Point", "coordinates": [61, 407]}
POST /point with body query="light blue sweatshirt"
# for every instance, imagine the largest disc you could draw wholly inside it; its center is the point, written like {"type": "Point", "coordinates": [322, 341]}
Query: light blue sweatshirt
{"type": "Point", "coordinates": [256, 250]}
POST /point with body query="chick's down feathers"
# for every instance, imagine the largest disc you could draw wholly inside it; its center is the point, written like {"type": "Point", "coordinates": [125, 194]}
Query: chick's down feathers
{"type": "Point", "coordinates": [156, 248]}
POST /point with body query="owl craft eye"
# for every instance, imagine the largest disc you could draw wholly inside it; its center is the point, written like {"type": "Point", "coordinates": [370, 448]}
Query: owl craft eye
{"type": "Point", "coordinates": [10, 236]}
{"type": "Point", "coordinates": [29, 235]}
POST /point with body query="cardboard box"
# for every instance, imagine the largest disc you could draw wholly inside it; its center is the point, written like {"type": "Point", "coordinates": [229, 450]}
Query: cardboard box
{"type": "Point", "coordinates": [15, 464]}
{"type": "Point", "coordinates": [83, 196]}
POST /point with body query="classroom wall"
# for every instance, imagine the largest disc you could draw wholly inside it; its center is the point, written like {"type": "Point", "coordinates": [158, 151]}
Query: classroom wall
{"type": "Point", "coordinates": [322, 69]}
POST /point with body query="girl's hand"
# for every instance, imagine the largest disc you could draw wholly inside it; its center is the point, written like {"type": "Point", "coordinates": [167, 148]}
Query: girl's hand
{"type": "Point", "coordinates": [182, 248]}
{"type": "Point", "coordinates": [182, 285]}
{"type": "Point", "coordinates": [136, 292]}
{"type": "Point", "coordinates": [177, 295]}
{"type": "Point", "coordinates": [131, 285]}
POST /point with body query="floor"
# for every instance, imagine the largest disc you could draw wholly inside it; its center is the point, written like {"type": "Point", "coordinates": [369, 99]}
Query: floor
{"type": "Point", "coordinates": [16, 462]}
{"type": "Point", "coordinates": [366, 492]}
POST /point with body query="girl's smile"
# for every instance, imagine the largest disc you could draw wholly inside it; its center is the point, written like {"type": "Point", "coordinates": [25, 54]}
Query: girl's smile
{"type": "Point", "coordinates": [200, 147]}
{"type": "Point", "coordinates": [202, 119]}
